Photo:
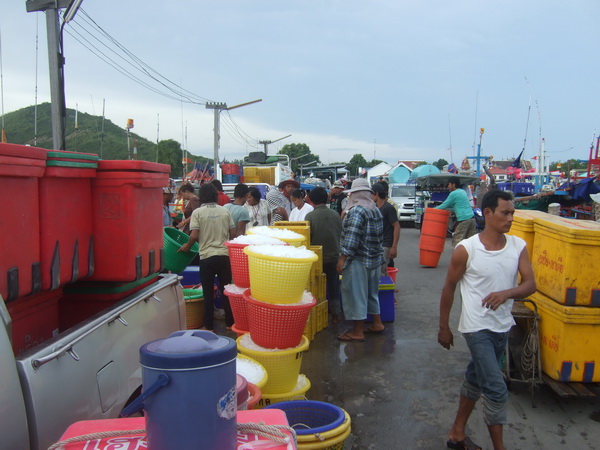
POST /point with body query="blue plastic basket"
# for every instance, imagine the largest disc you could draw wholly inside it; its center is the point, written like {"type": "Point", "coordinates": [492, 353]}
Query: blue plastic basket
{"type": "Point", "coordinates": [310, 416]}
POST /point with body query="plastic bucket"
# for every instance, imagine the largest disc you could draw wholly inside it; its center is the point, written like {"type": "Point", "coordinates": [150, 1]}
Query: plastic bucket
{"type": "Point", "coordinates": [178, 413]}
{"type": "Point", "coordinates": [277, 279]}
{"type": "Point", "coordinates": [296, 393]}
{"type": "Point", "coordinates": [253, 371]}
{"type": "Point", "coordinates": [176, 261]}
{"type": "Point", "coordinates": [239, 309]}
{"type": "Point", "coordinates": [433, 236]}
{"type": "Point", "coordinates": [276, 326]}
{"type": "Point", "coordinates": [254, 395]}
{"type": "Point", "coordinates": [392, 272]}
{"type": "Point", "coordinates": [283, 366]}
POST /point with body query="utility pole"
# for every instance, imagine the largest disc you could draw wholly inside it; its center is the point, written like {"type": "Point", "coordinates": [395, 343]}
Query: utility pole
{"type": "Point", "coordinates": [56, 60]}
{"type": "Point", "coordinates": [266, 143]}
{"type": "Point", "coordinates": [218, 107]}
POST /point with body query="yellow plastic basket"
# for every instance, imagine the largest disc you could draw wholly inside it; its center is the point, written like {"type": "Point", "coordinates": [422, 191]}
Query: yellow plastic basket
{"type": "Point", "coordinates": [275, 279]}
{"type": "Point", "coordinates": [296, 241]}
{"type": "Point", "coordinates": [283, 366]}
{"type": "Point", "coordinates": [260, 383]}
{"type": "Point", "coordinates": [298, 392]}
{"type": "Point", "coordinates": [334, 443]}
{"type": "Point", "coordinates": [301, 227]}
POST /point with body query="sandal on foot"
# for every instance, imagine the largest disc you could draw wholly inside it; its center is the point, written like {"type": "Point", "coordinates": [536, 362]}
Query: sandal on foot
{"type": "Point", "coordinates": [370, 330]}
{"type": "Point", "coordinates": [465, 444]}
{"type": "Point", "coordinates": [346, 337]}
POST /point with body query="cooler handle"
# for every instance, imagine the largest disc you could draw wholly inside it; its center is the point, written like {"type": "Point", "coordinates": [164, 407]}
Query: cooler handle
{"type": "Point", "coordinates": [162, 380]}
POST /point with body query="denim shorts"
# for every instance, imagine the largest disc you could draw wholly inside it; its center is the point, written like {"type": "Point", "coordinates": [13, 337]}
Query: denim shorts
{"type": "Point", "coordinates": [360, 290]}
{"type": "Point", "coordinates": [484, 376]}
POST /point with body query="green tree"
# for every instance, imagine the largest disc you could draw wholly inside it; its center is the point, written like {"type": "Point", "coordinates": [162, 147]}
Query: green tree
{"type": "Point", "coordinates": [571, 164]}
{"type": "Point", "coordinates": [374, 162]}
{"type": "Point", "coordinates": [440, 163]}
{"type": "Point", "coordinates": [299, 154]}
{"type": "Point", "coordinates": [356, 161]}
{"type": "Point", "coordinates": [169, 152]}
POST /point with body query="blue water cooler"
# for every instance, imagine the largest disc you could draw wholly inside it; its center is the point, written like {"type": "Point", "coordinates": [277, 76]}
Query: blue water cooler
{"type": "Point", "coordinates": [189, 391]}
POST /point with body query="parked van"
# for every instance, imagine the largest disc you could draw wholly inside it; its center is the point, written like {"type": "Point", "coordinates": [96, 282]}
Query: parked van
{"type": "Point", "coordinates": [404, 195]}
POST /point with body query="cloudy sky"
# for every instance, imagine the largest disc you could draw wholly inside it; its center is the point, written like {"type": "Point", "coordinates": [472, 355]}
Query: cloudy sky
{"type": "Point", "coordinates": [391, 79]}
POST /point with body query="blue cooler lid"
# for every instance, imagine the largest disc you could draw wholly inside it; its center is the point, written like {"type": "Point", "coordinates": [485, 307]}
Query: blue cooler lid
{"type": "Point", "coordinates": [188, 349]}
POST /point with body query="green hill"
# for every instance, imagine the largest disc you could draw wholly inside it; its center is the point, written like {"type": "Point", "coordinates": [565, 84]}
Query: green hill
{"type": "Point", "coordinates": [87, 138]}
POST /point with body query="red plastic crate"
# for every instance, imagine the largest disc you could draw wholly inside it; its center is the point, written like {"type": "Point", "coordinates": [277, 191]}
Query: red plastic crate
{"type": "Point", "coordinates": [84, 299]}
{"type": "Point", "coordinates": [34, 319]}
{"type": "Point", "coordinates": [20, 170]}
{"type": "Point", "coordinates": [127, 219]}
{"type": "Point", "coordinates": [66, 234]}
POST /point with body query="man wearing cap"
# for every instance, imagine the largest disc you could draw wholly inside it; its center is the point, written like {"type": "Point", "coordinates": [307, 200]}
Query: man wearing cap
{"type": "Point", "coordinates": [337, 197]}
{"type": "Point", "coordinates": [361, 256]}
{"type": "Point", "coordinates": [458, 201]}
{"type": "Point", "coordinates": [279, 200]}
{"type": "Point", "coordinates": [391, 226]}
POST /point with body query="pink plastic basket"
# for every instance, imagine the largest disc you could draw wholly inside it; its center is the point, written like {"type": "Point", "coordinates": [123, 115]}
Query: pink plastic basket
{"type": "Point", "coordinates": [239, 309]}
{"type": "Point", "coordinates": [276, 326]}
{"type": "Point", "coordinates": [239, 264]}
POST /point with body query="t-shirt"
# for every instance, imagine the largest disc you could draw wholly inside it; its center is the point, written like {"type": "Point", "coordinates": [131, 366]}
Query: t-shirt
{"type": "Point", "coordinates": [238, 213]}
{"type": "Point", "coordinates": [300, 214]}
{"type": "Point", "coordinates": [276, 199]}
{"type": "Point", "coordinates": [213, 222]}
{"type": "Point", "coordinates": [326, 230]}
{"type": "Point", "coordinates": [390, 217]}
{"type": "Point", "coordinates": [459, 202]}
{"type": "Point", "coordinates": [488, 271]}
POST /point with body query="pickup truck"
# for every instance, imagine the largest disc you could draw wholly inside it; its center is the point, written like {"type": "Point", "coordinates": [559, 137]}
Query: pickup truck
{"type": "Point", "coordinates": [89, 371]}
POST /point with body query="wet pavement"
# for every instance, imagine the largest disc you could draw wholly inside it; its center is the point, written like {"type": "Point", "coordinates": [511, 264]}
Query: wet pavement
{"type": "Point", "coordinates": [401, 387]}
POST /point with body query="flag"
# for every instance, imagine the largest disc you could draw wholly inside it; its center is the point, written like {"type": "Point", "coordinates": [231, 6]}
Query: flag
{"type": "Point", "coordinates": [517, 162]}
{"type": "Point", "coordinates": [452, 168]}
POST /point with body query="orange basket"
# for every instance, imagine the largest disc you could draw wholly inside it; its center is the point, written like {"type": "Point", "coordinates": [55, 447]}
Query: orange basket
{"type": "Point", "coordinates": [254, 395]}
{"type": "Point", "coordinates": [238, 331]}
{"type": "Point", "coordinates": [239, 264]}
{"type": "Point", "coordinates": [238, 308]}
{"type": "Point", "coordinates": [276, 326]}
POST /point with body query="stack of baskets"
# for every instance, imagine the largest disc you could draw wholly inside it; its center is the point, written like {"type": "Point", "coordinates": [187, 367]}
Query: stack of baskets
{"type": "Point", "coordinates": [277, 310]}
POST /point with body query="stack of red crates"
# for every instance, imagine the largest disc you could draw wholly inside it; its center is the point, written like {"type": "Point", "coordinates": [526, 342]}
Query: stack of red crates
{"type": "Point", "coordinates": [92, 227]}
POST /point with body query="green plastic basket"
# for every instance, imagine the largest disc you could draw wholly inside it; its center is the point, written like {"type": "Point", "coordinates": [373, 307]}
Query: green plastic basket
{"type": "Point", "coordinates": [176, 261]}
{"type": "Point", "coordinates": [192, 294]}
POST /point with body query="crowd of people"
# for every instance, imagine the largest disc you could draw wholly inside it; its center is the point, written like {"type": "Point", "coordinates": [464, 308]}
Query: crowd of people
{"type": "Point", "coordinates": [358, 229]}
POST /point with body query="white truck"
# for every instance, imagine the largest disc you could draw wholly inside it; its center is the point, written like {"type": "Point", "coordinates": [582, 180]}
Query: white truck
{"type": "Point", "coordinates": [404, 195]}
{"type": "Point", "coordinates": [89, 371]}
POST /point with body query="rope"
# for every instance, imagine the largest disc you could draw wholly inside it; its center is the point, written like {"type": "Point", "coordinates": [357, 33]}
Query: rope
{"type": "Point", "coordinates": [91, 436]}
{"type": "Point", "coordinates": [530, 350]}
{"type": "Point", "coordinates": [271, 432]}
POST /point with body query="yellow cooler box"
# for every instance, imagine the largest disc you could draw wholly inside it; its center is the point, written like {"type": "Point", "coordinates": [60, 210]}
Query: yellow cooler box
{"type": "Point", "coordinates": [566, 260]}
{"type": "Point", "coordinates": [522, 226]}
{"type": "Point", "coordinates": [569, 340]}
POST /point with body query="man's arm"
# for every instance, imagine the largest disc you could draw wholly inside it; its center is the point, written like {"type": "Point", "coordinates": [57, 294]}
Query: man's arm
{"type": "Point", "coordinates": [448, 203]}
{"type": "Point", "coordinates": [193, 239]}
{"type": "Point", "coordinates": [396, 239]}
{"type": "Point", "coordinates": [524, 289]}
{"type": "Point", "coordinates": [456, 270]}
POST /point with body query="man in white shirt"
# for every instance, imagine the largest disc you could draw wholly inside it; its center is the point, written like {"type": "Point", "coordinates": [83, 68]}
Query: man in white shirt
{"type": "Point", "coordinates": [486, 268]}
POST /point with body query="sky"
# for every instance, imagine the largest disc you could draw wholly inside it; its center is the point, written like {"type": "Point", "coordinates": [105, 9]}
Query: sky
{"type": "Point", "coordinates": [389, 79]}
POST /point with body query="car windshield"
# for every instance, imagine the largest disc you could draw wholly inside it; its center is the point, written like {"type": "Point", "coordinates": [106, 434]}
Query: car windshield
{"type": "Point", "coordinates": [403, 191]}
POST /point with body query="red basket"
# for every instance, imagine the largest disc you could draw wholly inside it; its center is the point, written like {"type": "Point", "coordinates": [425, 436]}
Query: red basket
{"type": "Point", "coordinates": [239, 264]}
{"type": "Point", "coordinates": [239, 309]}
{"type": "Point", "coordinates": [276, 326]}
{"type": "Point", "coordinates": [238, 331]}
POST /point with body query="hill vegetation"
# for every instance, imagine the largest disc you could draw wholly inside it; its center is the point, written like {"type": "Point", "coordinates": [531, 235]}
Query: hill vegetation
{"type": "Point", "coordinates": [88, 137]}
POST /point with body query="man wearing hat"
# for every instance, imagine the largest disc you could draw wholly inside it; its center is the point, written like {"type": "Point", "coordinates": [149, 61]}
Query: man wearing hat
{"type": "Point", "coordinates": [279, 201]}
{"type": "Point", "coordinates": [361, 256]}
{"type": "Point", "coordinates": [337, 197]}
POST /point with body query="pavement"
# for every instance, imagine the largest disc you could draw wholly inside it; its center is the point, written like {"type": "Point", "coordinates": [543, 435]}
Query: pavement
{"type": "Point", "coordinates": [401, 388]}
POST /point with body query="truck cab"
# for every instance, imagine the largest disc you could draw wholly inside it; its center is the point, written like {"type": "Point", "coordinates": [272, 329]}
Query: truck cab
{"type": "Point", "coordinates": [404, 195]}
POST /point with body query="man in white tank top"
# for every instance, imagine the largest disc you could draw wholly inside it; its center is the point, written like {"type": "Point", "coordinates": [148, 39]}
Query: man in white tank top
{"type": "Point", "coordinates": [485, 267]}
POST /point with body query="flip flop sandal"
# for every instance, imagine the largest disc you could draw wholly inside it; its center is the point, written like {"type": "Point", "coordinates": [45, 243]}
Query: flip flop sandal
{"type": "Point", "coordinates": [347, 338]}
{"type": "Point", "coordinates": [465, 444]}
{"type": "Point", "coordinates": [371, 331]}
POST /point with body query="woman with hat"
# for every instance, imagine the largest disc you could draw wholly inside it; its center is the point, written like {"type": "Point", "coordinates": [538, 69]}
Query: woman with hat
{"type": "Point", "coordinates": [361, 256]}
